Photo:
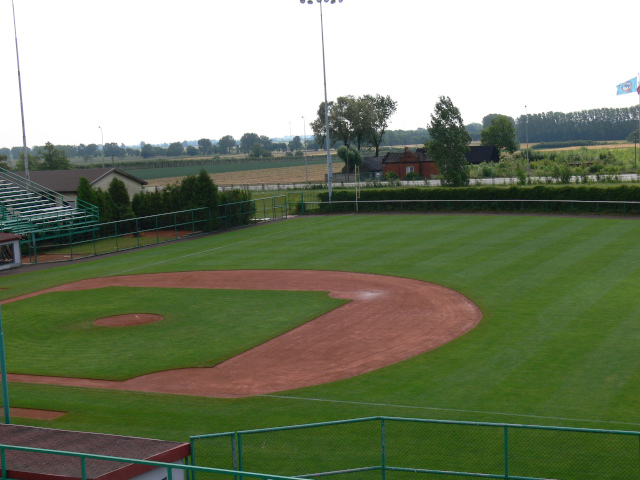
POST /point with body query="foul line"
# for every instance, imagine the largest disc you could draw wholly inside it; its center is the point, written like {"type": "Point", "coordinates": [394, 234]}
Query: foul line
{"type": "Point", "coordinates": [447, 409]}
{"type": "Point", "coordinates": [215, 248]}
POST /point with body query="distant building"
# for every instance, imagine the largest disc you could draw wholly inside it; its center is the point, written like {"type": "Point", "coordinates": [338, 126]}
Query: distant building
{"type": "Point", "coordinates": [482, 153]}
{"type": "Point", "coordinates": [406, 162]}
{"type": "Point", "coordinates": [66, 182]}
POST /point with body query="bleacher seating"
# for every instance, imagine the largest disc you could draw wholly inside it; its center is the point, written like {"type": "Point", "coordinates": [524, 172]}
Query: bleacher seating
{"type": "Point", "coordinates": [28, 208]}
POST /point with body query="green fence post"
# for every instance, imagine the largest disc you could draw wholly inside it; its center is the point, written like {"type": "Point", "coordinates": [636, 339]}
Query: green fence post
{"type": "Point", "coordinates": [239, 443]}
{"type": "Point", "coordinates": [192, 459]}
{"type": "Point", "coordinates": [175, 224]}
{"type": "Point", "coordinates": [4, 463]}
{"type": "Point", "coordinates": [506, 452]}
{"type": "Point", "coordinates": [116, 231]}
{"type": "Point", "coordinates": [157, 233]}
{"type": "Point", "coordinates": [383, 448]}
{"type": "Point", "coordinates": [95, 248]}
{"type": "Point", "coordinates": [83, 468]}
{"type": "Point", "coordinates": [193, 223]}
{"type": "Point", "coordinates": [302, 201]}
{"type": "Point", "coordinates": [234, 454]}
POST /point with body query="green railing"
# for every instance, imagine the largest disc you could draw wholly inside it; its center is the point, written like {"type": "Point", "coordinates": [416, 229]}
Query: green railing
{"type": "Point", "coordinates": [303, 203]}
{"type": "Point", "coordinates": [84, 460]}
{"type": "Point", "coordinates": [392, 448]}
{"type": "Point", "coordinates": [71, 242]}
{"type": "Point", "coordinates": [25, 223]}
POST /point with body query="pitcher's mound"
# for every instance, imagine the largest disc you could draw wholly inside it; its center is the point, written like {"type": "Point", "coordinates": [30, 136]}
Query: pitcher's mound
{"type": "Point", "coordinates": [128, 320]}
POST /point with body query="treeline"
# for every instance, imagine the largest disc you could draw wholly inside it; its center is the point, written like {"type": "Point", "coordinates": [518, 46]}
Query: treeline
{"type": "Point", "coordinates": [192, 192]}
{"type": "Point", "coordinates": [596, 124]}
{"type": "Point", "coordinates": [394, 138]}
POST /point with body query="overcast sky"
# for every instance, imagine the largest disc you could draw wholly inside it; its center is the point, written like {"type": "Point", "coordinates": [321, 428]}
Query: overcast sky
{"type": "Point", "coordinates": [164, 71]}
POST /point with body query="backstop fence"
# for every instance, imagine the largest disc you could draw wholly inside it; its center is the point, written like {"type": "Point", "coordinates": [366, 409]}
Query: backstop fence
{"type": "Point", "coordinates": [388, 448]}
{"type": "Point", "coordinates": [79, 242]}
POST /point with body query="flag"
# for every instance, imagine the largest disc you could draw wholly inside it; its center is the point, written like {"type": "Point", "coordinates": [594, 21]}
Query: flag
{"type": "Point", "coordinates": [628, 86]}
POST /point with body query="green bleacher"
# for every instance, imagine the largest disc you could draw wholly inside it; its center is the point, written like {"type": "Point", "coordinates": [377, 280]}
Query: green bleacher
{"type": "Point", "coordinates": [34, 211]}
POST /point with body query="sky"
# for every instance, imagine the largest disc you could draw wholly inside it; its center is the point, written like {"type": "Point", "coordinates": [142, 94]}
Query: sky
{"type": "Point", "coordinates": [164, 71]}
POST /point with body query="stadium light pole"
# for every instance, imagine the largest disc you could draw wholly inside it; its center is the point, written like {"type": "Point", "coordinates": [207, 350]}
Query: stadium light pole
{"type": "Point", "coordinates": [304, 150]}
{"type": "Point", "coordinates": [326, 103]}
{"type": "Point", "coordinates": [526, 129]}
{"type": "Point", "coordinates": [102, 139]}
{"type": "Point", "coordinates": [24, 134]}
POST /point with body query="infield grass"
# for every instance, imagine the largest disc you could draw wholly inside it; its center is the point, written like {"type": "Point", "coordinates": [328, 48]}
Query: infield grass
{"type": "Point", "coordinates": [200, 328]}
{"type": "Point", "coordinates": [557, 343]}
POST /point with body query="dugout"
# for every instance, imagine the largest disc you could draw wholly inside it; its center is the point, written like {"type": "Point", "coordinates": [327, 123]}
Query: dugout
{"type": "Point", "coordinates": [21, 465]}
{"type": "Point", "coordinates": [9, 251]}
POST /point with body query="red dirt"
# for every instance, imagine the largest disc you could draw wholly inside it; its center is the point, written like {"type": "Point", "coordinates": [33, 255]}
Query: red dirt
{"type": "Point", "coordinates": [389, 319]}
{"type": "Point", "coordinates": [128, 320]}
{"type": "Point", "coordinates": [33, 413]}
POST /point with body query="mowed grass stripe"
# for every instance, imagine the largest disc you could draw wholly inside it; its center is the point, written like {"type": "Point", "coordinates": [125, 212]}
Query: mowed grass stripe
{"type": "Point", "coordinates": [557, 295]}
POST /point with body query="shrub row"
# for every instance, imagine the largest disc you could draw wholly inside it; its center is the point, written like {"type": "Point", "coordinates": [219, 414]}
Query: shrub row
{"type": "Point", "coordinates": [484, 199]}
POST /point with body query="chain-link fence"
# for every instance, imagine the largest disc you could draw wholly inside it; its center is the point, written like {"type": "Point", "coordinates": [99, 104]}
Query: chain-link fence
{"type": "Point", "coordinates": [120, 235]}
{"type": "Point", "coordinates": [385, 448]}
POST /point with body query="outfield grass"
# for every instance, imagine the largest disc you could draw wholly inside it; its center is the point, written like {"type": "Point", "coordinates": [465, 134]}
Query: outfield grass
{"type": "Point", "coordinates": [557, 343]}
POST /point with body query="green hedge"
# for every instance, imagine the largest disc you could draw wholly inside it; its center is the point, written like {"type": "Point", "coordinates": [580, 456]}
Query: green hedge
{"type": "Point", "coordinates": [484, 199]}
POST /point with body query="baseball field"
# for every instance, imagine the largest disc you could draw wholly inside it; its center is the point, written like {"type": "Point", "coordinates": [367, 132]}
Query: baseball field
{"type": "Point", "coordinates": [557, 342]}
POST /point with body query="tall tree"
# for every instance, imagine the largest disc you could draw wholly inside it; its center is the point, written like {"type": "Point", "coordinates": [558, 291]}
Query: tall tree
{"type": "Point", "coordinates": [375, 114]}
{"type": "Point", "coordinates": [295, 144]}
{"type": "Point", "coordinates": [342, 121]}
{"type": "Point", "coordinates": [119, 199]}
{"type": "Point", "coordinates": [54, 158]}
{"type": "Point", "coordinates": [353, 159]}
{"type": "Point", "coordinates": [449, 143]}
{"type": "Point", "coordinates": [205, 146]}
{"type": "Point", "coordinates": [113, 150]}
{"type": "Point", "coordinates": [247, 141]}
{"type": "Point", "coordinates": [225, 143]}
{"type": "Point", "coordinates": [501, 133]}
{"type": "Point", "coordinates": [175, 149]}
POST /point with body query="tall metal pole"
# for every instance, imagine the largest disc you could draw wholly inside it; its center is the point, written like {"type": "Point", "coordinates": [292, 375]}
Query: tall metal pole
{"type": "Point", "coordinates": [102, 138]}
{"type": "Point", "coordinates": [526, 129]}
{"type": "Point", "coordinates": [3, 374]}
{"type": "Point", "coordinates": [326, 113]}
{"type": "Point", "coordinates": [304, 151]}
{"type": "Point", "coordinates": [24, 135]}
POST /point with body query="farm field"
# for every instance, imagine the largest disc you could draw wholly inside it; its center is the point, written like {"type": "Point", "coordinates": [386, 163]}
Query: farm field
{"type": "Point", "coordinates": [557, 344]}
{"type": "Point", "coordinates": [316, 173]}
{"type": "Point", "coordinates": [226, 168]}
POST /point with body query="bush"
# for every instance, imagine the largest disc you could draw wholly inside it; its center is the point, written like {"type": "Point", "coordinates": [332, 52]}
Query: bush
{"type": "Point", "coordinates": [411, 175]}
{"type": "Point", "coordinates": [391, 176]}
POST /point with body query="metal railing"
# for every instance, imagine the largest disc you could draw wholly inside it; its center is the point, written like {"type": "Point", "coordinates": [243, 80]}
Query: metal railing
{"type": "Point", "coordinates": [383, 447]}
{"type": "Point", "coordinates": [170, 468]}
{"type": "Point", "coordinates": [72, 243]}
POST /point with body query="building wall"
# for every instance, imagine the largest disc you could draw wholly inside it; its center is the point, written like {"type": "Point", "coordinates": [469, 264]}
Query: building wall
{"type": "Point", "coordinates": [161, 473]}
{"type": "Point", "coordinates": [424, 169]}
{"type": "Point", "coordinates": [133, 187]}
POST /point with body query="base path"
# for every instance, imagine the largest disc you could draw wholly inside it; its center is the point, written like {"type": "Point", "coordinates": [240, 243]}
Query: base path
{"type": "Point", "coordinates": [389, 319]}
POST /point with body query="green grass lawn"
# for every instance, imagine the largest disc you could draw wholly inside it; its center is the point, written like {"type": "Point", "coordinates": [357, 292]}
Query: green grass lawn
{"type": "Point", "coordinates": [557, 343]}
{"type": "Point", "coordinates": [54, 334]}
